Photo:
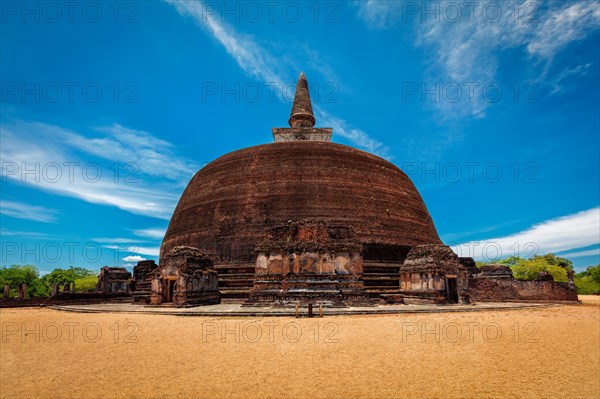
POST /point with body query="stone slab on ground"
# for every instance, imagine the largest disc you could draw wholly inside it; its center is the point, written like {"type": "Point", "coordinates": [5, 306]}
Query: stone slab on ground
{"type": "Point", "coordinates": [238, 310]}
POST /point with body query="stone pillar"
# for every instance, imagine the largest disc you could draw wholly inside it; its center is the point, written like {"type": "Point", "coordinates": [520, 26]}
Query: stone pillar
{"type": "Point", "coordinates": [73, 288]}
{"type": "Point", "coordinates": [55, 290]}
{"type": "Point", "coordinates": [6, 293]}
{"type": "Point", "coordinates": [570, 275]}
{"type": "Point", "coordinates": [67, 287]}
{"type": "Point", "coordinates": [22, 291]}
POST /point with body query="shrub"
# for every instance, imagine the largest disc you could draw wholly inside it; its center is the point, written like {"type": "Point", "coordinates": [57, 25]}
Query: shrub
{"type": "Point", "coordinates": [23, 274]}
{"type": "Point", "coordinates": [588, 281]}
{"type": "Point", "coordinates": [86, 284]}
{"type": "Point", "coordinates": [529, 270]}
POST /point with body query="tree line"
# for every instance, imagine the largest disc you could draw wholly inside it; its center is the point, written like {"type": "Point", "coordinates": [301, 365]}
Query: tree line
{"type": "Point", "coordinates": [85, 280]}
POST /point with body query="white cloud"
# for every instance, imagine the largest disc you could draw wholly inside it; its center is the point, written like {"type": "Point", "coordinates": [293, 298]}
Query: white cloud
{"type": "Point", "coordinates": [133, 258]}
{"type": "Point", "coordinates": [21, 210]}
{"type": "Point", "coordinates": [119, 240]}
{"type": "Point", "coordinates": [466, 50]}
{"type": "Point", "coordinates": [259, 63]}
{"type": "Point", "coordinates": [253, 59]}
{"type": "Point", "coordinates": [144, 152]}
{"type": "Point", "coordinates": [589, 252]}
{"type": "Point", "coordinates": [561, 26]}
{"type": "Point", "coordinates": [157, 233]}
{"type": "Point", "coordinates": [565, 233]}
{"type": "Point", "coordinates": [557, 82]}
{"type": "Point", "coordinates": [135, 249]}
{"type": "Point", "coordinates": [356, 136]}
{"type": "Point", "coordinates": [44, 148]}
{"type": "Point", "coordinates": [28, 234]}
{"type": "Point", "coordinates": [379, 14]}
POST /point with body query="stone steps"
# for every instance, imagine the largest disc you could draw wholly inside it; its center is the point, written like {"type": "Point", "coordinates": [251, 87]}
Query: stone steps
{"type": "Point", "coordinates": [235, 292]}
{"type": "Point", "coordinates": [382, 290]}
{"type": "Point", "coordinates": [235, 280]}
{"type": "Point", "coordinates": [381, 278]}
{"type": "Point", "coordinates": [235, 268]}
{"type": "Point", "coordinates": [235, 283]}
{"type": "Point", "coordinates": [233, 276]}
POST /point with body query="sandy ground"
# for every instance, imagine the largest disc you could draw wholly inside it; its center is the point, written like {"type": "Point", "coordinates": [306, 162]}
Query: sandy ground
{"type": "Point", "coordinates": [544, 353]}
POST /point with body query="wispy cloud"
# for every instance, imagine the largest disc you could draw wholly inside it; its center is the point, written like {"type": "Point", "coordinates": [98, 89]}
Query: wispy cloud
{"type": "Point", "coordinates": [379, 14]}
{"type": "Point", "coordinates": [122, 144]}
{"type": "Point", "coordinates": [259, 63]}
{"type": "Point", "coordinates": [119, 240]}
{"type": "Point", "coordinates": [558, 82]}
{"type": "Point", "coordinates": [27, 234]}
{"type": "Point", "coordinates": [145, 188]}
{"type": "Point", "coordinates": [157, 233]}
{"type": "Point", "coordinates": [565, 233]}
{"type": "Point", "coordinates": [21, 210]}
{"type": "Point", "coordinates": [356, 136]}
{"type": "Point", "coordinates": [579, 254]}
{"type": "Point", "coordinates": [562, 25]}
{"type": "Point", "coordinates": [467, 49]}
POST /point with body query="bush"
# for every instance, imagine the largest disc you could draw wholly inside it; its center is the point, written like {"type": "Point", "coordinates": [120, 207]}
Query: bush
{"type": "Point", "coordinates": [86, 284]}
{"type": "Point", "coordinates": [60, 276]}
{"type": "Point", "coordinates": [23, 274]}
{"type": "Point", "coordinates": [588, 281]}
{"type": "Point", "coordinates": [529, 269]}
{"type": "Point", "coordinates": [85, 280]}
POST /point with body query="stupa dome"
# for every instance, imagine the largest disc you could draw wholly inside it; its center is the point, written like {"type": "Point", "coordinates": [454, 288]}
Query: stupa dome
{"type": "Point", "coordinates": [230, 203]}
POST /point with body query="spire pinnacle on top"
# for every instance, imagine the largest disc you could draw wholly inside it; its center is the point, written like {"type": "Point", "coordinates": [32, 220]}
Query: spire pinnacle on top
{"type": "Point", "coordinates": [302, 113]}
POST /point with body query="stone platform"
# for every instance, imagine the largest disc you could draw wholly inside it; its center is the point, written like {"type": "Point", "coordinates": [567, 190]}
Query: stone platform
{"type": "Point", "coordinates": [238, 310]}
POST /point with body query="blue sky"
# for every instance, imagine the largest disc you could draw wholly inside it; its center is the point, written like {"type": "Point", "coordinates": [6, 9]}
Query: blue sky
{"type": "Point", "coordinates": [492, 109]}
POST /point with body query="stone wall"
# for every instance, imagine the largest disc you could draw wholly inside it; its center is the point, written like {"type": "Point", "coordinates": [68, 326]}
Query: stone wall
{"type": "Point", "coordinates": [114, 280]}
{"type": "Point", "coordinates": [142, 280]}
{"type": "Point", "coordinates": [185, 277]}
{"type": "Point", "coordinates": [433, 273]}
{"type": "Point", "coordinates": [301, 133]}
{"type": "Point", "coordinates": [309, 261]}
{"type": "Point", "coordinates": [506, 290]}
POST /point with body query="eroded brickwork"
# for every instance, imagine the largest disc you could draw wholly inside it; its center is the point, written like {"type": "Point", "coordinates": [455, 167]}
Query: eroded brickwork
{"type": "Point", "coordinates": [186, 277]}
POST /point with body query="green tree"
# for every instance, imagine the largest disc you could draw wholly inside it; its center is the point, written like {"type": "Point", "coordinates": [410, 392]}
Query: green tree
{"type": "Point", "coordinates": [554, 260]}
{"type": "Point", "coordinates": [528, 269]}
{"type": "Point", "coordinates": [588, 281]}
{"type": "Point", "coordinates": [70, 275]}
{"type": "Point", "coordinates": [510, 261]}
{"type": "Point", "coordinates": [86, 284]}
{"type": "Point", "coordinates": [23, 274]}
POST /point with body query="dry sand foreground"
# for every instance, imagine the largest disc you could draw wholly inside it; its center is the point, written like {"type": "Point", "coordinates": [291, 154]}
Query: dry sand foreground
{"type": "Point", "coordinates": [547, 352]}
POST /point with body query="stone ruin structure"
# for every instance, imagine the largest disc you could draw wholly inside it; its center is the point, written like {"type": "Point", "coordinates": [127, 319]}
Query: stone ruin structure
{"type": "Point", "coordinates": [141, 283]}
{"type": "Point", "coordinates": [305, 219]}
{"type": "Point", "coordinates": [433, 273]}
{"type": "Point", "coordinates": [496, 283]}
{"type": "Point", "coordinates": [185, 277]}
{"type": "Point", "coordinates": [113, 280]}
{"type": "Point", "coordinates": [494, 271]}
{"type": "Point", "coordinates": [309, 261]}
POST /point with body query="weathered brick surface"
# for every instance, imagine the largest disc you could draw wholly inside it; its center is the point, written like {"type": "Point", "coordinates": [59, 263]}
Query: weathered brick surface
{"type": "Point", "coordinates": [186, 277]}
{"type": "Point", "coordinates": [505, 289]}
{"type": "Point", "coordinates": [231, 202]}
{"type": "Point", "coordinates": [113, 280]}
